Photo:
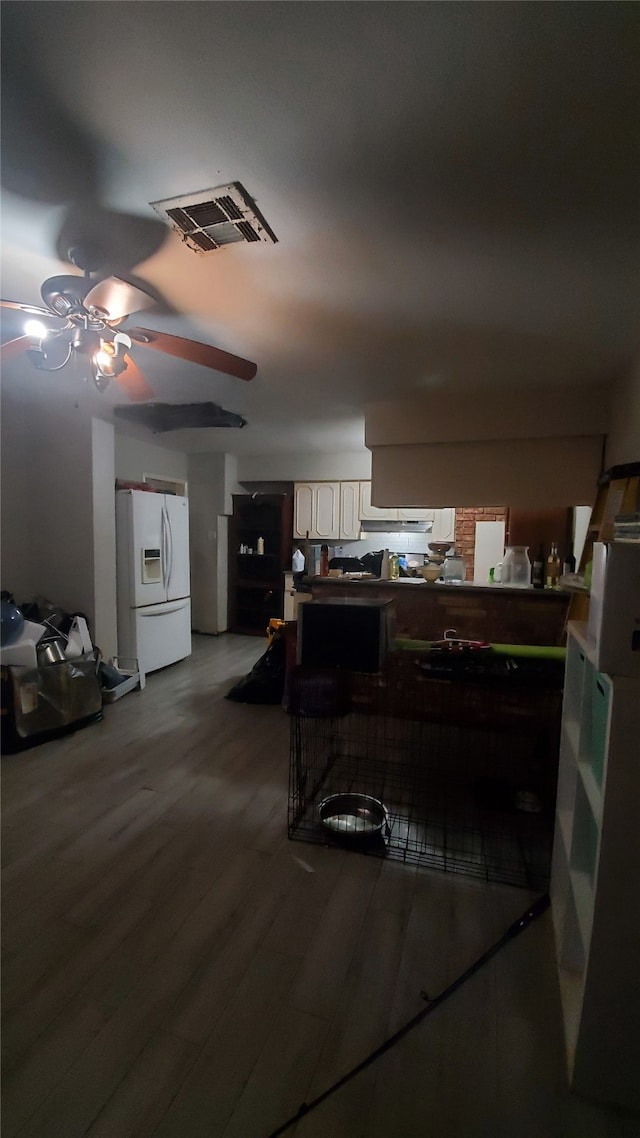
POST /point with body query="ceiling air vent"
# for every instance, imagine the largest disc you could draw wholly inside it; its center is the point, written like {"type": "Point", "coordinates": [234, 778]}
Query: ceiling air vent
{"type": "Point", "coordinates": [209, 219]}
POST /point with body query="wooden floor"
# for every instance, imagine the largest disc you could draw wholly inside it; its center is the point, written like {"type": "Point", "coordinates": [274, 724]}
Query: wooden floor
{"type": "Point", "coordinates": [174, 967]}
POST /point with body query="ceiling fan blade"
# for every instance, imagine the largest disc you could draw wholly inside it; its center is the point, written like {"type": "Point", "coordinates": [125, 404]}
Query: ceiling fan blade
{"type": "Point", "coordinates": [134, 383]}
{"type": "Point", "coordinates": [195, 352]}
{"type": "Point", "coordinates": [106, 240]}
{"type": "Point", "coordinates": [46, 155]}
{"type": "Point", "coordinates": [12, 348]}
{"type": "Point", "coordinates": [30, 309]}
{"type": "Point", "coordinates": [115, 298]}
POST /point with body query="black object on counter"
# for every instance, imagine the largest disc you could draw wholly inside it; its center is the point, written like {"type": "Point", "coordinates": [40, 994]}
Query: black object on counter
{"type": "Point", "coordinates": [372, 562]}
{"type": "Point", "coordinates": [348, 564]}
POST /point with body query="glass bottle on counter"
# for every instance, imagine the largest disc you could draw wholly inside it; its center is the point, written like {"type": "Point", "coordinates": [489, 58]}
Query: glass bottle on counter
{"type": "Point", "coordinates": [537, 574]}
{"type": "Point", "coordinates": [552, 568]}
{"type": "Point", "coordinates": [394, 566]}
{"type": "Point", "coordinates": [569, 561]}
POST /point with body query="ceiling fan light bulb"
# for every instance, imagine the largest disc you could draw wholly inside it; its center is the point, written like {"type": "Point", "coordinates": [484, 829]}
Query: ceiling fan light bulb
{"type": "Point", "coordinates": [36, 329]}
{"type": "Point", "coordinates": [104, 361]}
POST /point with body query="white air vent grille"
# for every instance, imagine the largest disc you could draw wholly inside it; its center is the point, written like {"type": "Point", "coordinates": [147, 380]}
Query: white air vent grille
{"type": "Point", "coordinates": [209, 219]}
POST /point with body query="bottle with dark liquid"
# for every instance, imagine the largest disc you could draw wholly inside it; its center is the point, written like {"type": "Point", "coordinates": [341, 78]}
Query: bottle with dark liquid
{"type": "Point", "coordinates": [569, 562]}
{"type": "Point", "coordinates": [552, 568]}
{"type": "Point", "coordinates": [537, 571]}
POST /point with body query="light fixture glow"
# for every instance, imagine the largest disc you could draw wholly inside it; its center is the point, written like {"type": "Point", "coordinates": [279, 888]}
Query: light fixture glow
{"type": "Point", "coordinates": [36, 329]}
{"type": "Point", "coordinates": [104, 360]}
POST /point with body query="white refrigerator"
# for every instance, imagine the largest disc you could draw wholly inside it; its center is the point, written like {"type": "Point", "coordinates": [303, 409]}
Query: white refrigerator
{"type": "Point", "coordinates": [154, 603]}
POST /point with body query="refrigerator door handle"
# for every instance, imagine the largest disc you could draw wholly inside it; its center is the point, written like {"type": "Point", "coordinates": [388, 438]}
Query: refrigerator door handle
{"type": "Point", "coordinates": [170, 547]}
{"type": "Point", "coordinates": [163, 540]}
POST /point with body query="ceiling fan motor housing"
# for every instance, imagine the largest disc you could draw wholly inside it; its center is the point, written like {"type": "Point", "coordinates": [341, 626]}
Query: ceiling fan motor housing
{"type": "Point", "coordinates": [64, 295]}
{"type": "Point", "coordinates": [86, 341]}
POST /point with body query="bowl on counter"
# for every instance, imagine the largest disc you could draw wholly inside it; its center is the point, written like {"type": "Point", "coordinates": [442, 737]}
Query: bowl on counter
{"type": "Point", "coordinates": [431, 572]}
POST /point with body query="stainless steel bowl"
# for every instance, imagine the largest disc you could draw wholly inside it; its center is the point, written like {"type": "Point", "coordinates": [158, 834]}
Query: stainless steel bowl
{"type": "Point", "coordinates": [50, 652]}
{"type": "Point", "coordinates": [353, 815]}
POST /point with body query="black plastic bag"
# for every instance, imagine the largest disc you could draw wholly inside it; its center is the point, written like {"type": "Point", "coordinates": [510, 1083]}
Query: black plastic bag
{"type": "Point", "coordinates": [265, 682]}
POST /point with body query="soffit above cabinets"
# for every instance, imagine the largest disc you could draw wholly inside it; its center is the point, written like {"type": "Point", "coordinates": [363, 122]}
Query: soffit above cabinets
{"type": "Point", "coordinates": [528, 473]}
{"type": "Point", "coordinates": [473, 414]}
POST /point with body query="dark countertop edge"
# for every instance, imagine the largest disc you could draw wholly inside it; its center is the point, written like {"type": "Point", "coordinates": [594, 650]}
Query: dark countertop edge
{"type": "Point", "coordinates": [439, 586]}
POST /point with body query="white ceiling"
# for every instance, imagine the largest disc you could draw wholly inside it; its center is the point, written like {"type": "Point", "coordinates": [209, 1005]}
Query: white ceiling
{"type": "Point", "coordinates": [454, 187]}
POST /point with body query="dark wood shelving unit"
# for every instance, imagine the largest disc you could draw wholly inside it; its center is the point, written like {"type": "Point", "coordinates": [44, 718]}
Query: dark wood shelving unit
{"type": "Point", "coordinates": [256, 581]}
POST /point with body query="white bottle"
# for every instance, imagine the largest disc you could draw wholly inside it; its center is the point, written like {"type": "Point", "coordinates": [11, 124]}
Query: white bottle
{"type": "Point", "coordinates": [385, 567]}
{"type": "Point", "coordinates": [260, 545]}
{"type": "Point", "coordinates": [297, 561]}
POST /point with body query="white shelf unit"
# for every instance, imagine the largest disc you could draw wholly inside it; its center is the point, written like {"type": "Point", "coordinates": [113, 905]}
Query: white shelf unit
{"type": "Point", "coordinates": [595, 878]}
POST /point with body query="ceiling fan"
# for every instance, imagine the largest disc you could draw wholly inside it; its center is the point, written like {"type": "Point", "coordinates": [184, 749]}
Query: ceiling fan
{"type": "Point", "coordinates": [47, 157]}
{"type": "Point", "coordinates": [87, 317]}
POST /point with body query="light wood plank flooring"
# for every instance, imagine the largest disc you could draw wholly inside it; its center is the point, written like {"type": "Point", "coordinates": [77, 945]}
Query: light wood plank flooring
{"type": "Point", "coordinates": [174, 967]}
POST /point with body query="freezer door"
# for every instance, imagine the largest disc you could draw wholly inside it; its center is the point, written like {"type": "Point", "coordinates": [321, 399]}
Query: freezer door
{"type": "Point", "coordinates": [162, 634]}
{"type": "Point", "coordinates": [145, 548]}
{"type": "Point", "coordinates": [177, 565]}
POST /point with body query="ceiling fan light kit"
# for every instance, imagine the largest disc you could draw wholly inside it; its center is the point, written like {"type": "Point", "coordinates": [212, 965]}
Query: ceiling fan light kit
{"type": "Point", "coordinates": [92, 313]}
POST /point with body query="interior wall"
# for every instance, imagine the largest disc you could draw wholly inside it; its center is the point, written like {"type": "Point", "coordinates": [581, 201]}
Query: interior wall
{"type": "Point", "coordinates": [206, 474]}
{"type": "Point", "coordinates": [104, 538]}
{"type": "Point", "coordinates": [304, 467]}
{"type": "Point", "coordinates": [136, 457]}
{"type": "Point", "coordinates": [623, 440]}
{"type": "Point", "coordinates": [60, 509]}
{"type": "Point", "coordinates": [17, 478]}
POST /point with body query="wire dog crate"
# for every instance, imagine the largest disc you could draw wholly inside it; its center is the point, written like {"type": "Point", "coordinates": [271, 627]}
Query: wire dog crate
{"type": "Point", "coordinates": [463, 766]}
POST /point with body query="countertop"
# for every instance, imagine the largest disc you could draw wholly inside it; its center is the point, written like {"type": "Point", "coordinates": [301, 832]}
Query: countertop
{"type": "Point", "coordinates": [437, 586]}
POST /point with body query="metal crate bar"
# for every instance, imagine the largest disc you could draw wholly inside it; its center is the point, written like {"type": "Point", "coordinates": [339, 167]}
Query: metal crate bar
{"type": "Point", "coordinates": [466, 769]}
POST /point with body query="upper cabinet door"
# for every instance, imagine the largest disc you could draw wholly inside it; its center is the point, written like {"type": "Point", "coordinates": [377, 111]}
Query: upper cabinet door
{"type": "Point", "coordinates": [374, 513]}
{"type": "Point", "coordinates": [316, 510]}
{"type": "Point", "coordinates": [327, 511]}
{"type": "Point", "coordinates": [349, 511]}
{"type": "Point", "coordinates": [444, 524]}
{"type": "Point", "coordinates": [303, 497]}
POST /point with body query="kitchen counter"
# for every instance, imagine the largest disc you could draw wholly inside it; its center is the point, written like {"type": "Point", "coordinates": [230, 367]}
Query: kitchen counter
{"type": "Point", "coordinates": [489, 612]}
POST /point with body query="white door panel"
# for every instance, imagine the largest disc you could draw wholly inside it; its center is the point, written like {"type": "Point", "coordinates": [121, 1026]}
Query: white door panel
{"type": "Point", "coordinates": [163, 634]}
{"type": "Point", "coordinates": [327, 497]}
{"type": "Point", "coordinates": [145, 512]}
{"type": "Point", "coordinates": [349, 511]}
{"type": "Point", "coordinates": [303, 510]}
{"type": "Point", "coordinates": [177, 569]}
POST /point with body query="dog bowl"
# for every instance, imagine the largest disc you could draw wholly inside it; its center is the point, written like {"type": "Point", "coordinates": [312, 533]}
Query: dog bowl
{"type": "Point", "coordinates": [353, 815]}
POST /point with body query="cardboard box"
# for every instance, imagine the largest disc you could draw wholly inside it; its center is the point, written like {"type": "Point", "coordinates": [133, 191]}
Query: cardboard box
{"type": "Point", "coordinates": [614, 609]}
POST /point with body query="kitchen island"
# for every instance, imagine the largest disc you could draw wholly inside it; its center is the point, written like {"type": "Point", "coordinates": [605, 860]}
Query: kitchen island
{"type": "Point", "coordinates": [423, 610]}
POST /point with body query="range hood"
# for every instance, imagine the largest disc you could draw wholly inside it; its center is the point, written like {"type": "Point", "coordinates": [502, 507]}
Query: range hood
{"type": "Point", "coordinates": [391, 525]}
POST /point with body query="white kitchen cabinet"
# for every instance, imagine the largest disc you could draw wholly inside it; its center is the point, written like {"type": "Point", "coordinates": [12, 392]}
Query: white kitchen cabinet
{"type": "Point", "coordinates": [374, 513]}
{"type": "Point", "coordinates": [349, 511]}
{"type": "Point", "coordinates": [316, 510]}
{"type": "Point", "coordinates": [444, 525]}
{"type": "Point", "coordinates": [414, 514]}
{"type": "Point", "coordinates": [595, 877]}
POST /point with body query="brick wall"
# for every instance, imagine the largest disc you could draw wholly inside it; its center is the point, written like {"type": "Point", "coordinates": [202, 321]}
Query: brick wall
{"type": "Point", "coordinates": [466, 518]}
